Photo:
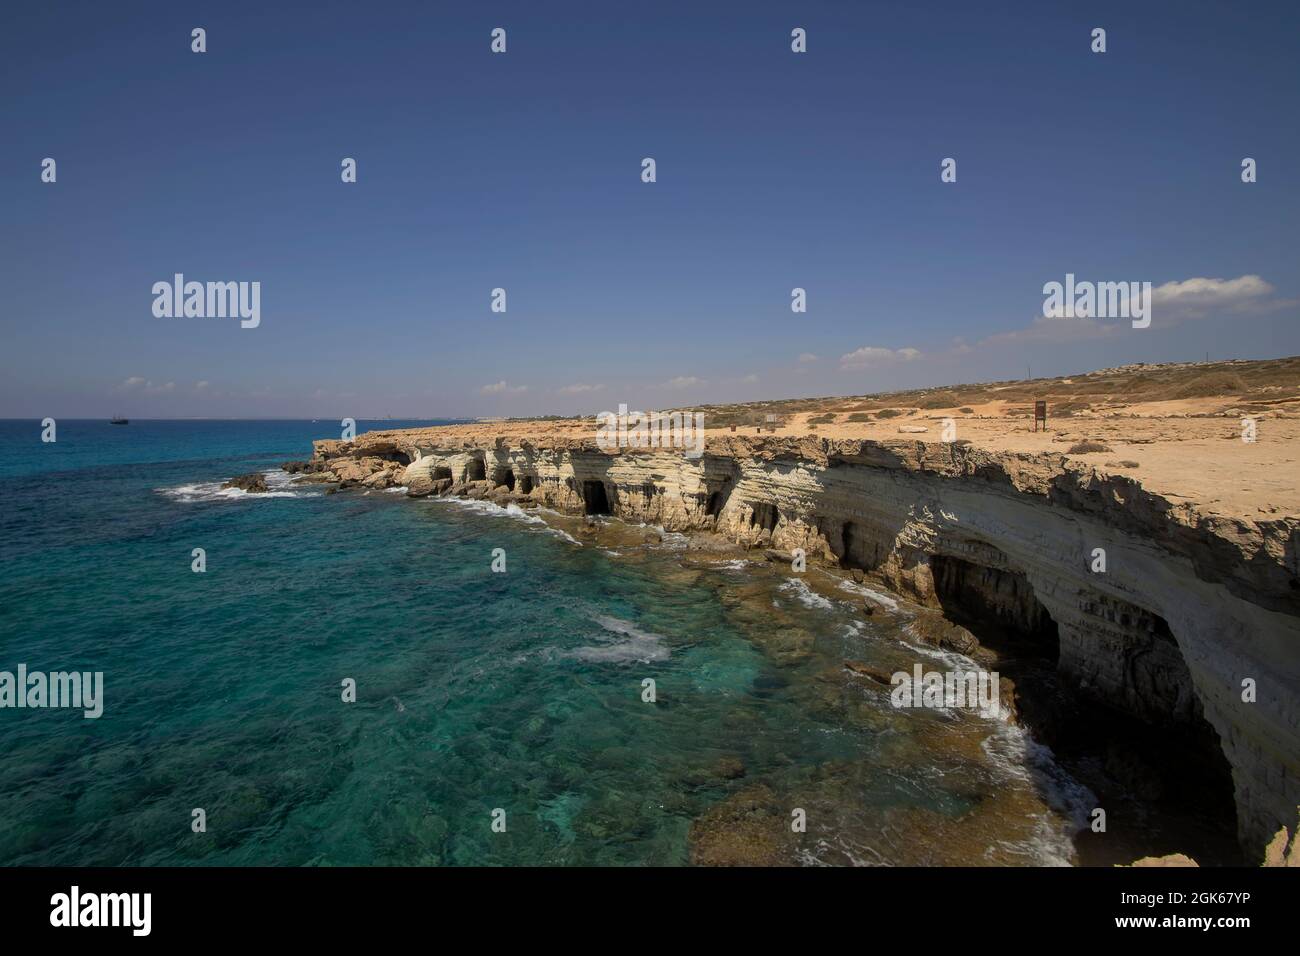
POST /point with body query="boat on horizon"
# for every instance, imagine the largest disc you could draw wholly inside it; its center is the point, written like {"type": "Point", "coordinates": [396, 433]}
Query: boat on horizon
{"type": "Point", "coordinates": [119, 420]}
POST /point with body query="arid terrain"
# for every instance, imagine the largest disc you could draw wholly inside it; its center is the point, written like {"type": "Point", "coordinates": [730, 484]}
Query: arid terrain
{"type": "Point", "coordinates": [1140, 552]}
{"type": "Point", "coordinates": [1177, 429]}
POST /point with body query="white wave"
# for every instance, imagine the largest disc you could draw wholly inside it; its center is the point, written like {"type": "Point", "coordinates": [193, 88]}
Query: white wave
{"type": "Point", "coordinates": [514, 511]}
{"type": "Point", "coordinates": [882, 599]}
{"type": "Point", "coordinates": [511, 510]}
{"type": "Point", "coordinates": [279, 485]}
{"type": "Point", "coordinates": [1013, 752]}
{"type": "Point", "coordinates": [806, 595]}
{"type": "Point", "coordinates": [1016, 754]}
{"type": "Point", "coordinates": [673, 540]}
{"type": "Point", "coordinates": [637, 645]}
{"type": "Point", "coordinates": [736, 564]}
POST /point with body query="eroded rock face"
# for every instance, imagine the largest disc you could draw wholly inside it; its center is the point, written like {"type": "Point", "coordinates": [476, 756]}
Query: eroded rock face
{"type": "Point", "coordinates": [1188, 607]}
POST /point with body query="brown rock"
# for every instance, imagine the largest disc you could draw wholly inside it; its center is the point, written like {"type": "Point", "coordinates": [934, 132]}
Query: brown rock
{"type": "Point", "coordinates": [419, 487]}
{"type": "Point", "coordinates": [1173, 859]}
{"type": "Point", "coordinates": [253, 482]}
{"type": "Point", "coordinates": [729, 768]}
{"type": "Point", "coordinates": [748, 829]}
{"type": "Point", "coordinates": [879, 675]}
{"type": "Point", "coordinates": [1277, 853]}
{"type": "Point", "coordinates": [936, 630]}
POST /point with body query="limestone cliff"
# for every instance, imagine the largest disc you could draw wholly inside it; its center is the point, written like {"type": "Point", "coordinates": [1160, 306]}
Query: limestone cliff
{"type": "Point", "coordinates": [1189, 610]}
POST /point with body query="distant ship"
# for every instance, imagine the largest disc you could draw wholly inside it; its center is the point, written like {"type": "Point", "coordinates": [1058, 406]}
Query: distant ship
{"type": "Point", "coordinates": [119, 420]}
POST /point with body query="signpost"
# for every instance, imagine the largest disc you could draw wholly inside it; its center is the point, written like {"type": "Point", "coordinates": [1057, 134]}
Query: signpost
{"type": "Point", "coordinates": [1040, 415]}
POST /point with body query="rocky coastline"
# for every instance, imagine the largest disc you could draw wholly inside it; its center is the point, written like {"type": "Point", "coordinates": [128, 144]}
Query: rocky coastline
{"type": "Point", "coordinates": [1167, 668]}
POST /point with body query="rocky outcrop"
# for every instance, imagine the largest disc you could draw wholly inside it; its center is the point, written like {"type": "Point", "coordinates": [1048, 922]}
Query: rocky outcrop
{"type": "Point", "coordinates": [1183, 621]}
{"type": "Point", "coordinates": [254, 482]}
{"type": "Point", "coordinates": [1282, 851]}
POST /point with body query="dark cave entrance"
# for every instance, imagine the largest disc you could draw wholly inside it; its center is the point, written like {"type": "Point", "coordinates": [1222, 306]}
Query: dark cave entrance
{"type": "Point", "coordinates": [506, 476]}
{"type": "Point", "coordinates": [998, 606]}
{"type": "Point", "coordinates": [440, 472]}
{"type": "Point", "coordinates": [526, 484]}
{"type": "Point", "coordinates": [594, 499]}
{"type": "Point", "coordinates": [476, 470]}
{"type": "Point", "coordinates": [858, 548]}
{"type": "Point", "coordinates": [765, 515]}
{"type": "Point", "coordinates": [718, 493]}
{"type": "Point", "coordinates": [1142, 745]}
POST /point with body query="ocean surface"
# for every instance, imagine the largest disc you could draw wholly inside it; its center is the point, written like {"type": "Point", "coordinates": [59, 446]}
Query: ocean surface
{"type": "Point", "coordinates": [476, 691]}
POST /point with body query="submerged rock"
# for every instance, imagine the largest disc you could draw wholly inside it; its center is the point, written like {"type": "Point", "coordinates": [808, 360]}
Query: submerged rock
{"type": "Point", "coordinates": [877, 674]}
{"type": "Point", "coordinates": [729, 768]}
{"type": "Point", "coordinates": [747, 829]}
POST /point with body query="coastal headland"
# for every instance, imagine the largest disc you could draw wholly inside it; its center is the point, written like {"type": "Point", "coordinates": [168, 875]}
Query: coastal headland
{"type": "Point", "coordinates": [1133, 565]}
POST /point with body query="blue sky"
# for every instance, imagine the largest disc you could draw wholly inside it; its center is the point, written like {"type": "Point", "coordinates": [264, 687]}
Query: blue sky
{"type": "Point", "coordinates": [522, 171]}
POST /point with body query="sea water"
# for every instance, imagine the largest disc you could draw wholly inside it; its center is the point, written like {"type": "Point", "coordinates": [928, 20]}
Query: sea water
{"type": "Point", "coordinates": [480, 696]}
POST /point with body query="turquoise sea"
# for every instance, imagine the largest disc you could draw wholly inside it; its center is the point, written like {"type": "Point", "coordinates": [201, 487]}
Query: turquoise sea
{"type": "Point", "coordinates": [476, 691]}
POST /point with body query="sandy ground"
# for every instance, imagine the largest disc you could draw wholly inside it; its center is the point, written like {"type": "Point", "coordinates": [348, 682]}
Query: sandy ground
{"type": "Point", "coordinates": [1177, 428]}
{"type": "Point", "coordinates": [1203, 461]}
{"type": "Point", "coordinates": [1200, 460]}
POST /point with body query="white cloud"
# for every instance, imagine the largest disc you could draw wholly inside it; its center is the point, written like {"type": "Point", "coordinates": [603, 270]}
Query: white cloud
{"type": "Point", "coordinates": [1058, 331]}
{"type": "Point", "coordinates": [200, 386]}
{"type": "Point", "coordinates": [1171, 304]}
{"type": "Point", "coordinates": [872, 357]}
{"type": "Point", "coordinates": [580, 389]}
{"type": "Point", "coordinates": [682, 381]}
{"type": "Point", "coordinates": [503, 388]}
{"type": "Point", "coordinates": [136, 383]}
{"type": "Point", "coordinates": [1195, 298]}
{"type": "Point", "coordinates": [806, 358]}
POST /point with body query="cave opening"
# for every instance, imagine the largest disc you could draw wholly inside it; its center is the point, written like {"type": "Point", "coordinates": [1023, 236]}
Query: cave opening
{"type": "Point", "coordinates": [476, 470]}
{"type": "Point", "coordinates": [594, 499]}
{"type": "Point", "coordinates": [440, 472]}
{"type": "Point", "coordinates": [506, 476]}
{"type": "Point", "coordinates": [526, 484]}
{"type": "Point", "coordinates": [1133, 731]}
{"type": "Point", "coordinates": [717, 496]}
{"type": "Point", "coordinates": [765, 515]}
{"type": "Point", "coordinates": [998, 606]}
{"type": "Point", "coordinates": [858, 548]}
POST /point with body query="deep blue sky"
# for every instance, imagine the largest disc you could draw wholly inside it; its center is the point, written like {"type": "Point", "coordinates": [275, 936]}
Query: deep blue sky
{"type": "Point", "coordinates": [522, 170]}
